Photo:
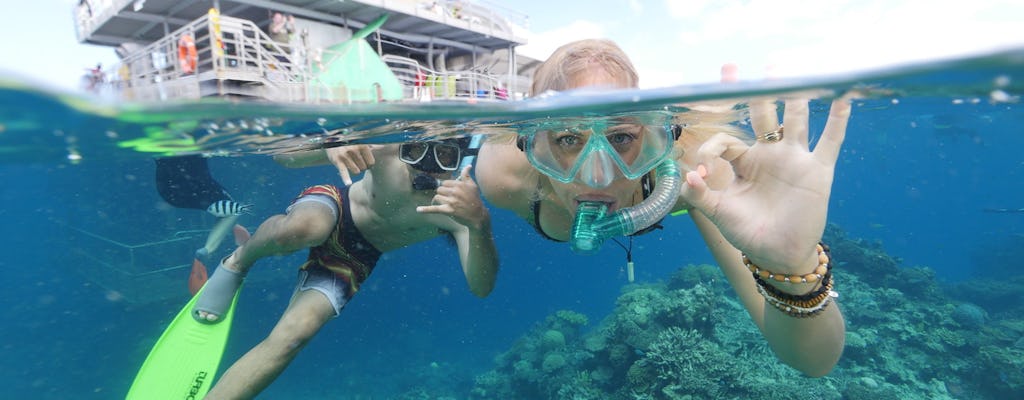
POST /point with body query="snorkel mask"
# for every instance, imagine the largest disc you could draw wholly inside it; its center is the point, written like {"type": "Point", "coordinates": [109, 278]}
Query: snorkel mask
{"type": "Point", "coordinates": [589, 150]}
{"type": "Point", "coordinates": [434, 157]}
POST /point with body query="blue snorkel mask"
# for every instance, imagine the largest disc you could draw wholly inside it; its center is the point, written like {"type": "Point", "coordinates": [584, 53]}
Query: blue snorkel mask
{"type": "Point", "coordinates": [590, 150]}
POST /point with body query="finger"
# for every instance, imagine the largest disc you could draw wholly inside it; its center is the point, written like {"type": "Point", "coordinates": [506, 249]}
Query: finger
{"type": "Point", "coordinates": [352, 165]}
{"type": "Point", "coordinates": [357, 163]}
{"type": "Point", "coordinates": [724, 146]}
{"type": "Point", "coordinates": [697, 193]}
{"type": "Point", "coordinates": [436, 209]}
{"type": "Point", "coordinates": [345, 177]}
{"type": "Point", "coordinates": [835, 131]}
{"type": "Point", "coordinates": [447, 188]}
{"type": "Point", "coordinates": [464, 176]}
{"type": "Point", "coordinates": [764, 116]}
{"type": "Point", "coordinates": [442, 199]}
{"type": "Point", "coordinates": [367, 153]}
{"type": "Point", "coordinates": [795, 120]}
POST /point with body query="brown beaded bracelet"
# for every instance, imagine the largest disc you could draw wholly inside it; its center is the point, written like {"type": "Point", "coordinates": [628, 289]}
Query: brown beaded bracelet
{"type": "Point", "coordinates": [824, 265]}
{"type": "Point", "coordinates": [812, 296]}
{"type": "Point", "coordinates": [798, 306]}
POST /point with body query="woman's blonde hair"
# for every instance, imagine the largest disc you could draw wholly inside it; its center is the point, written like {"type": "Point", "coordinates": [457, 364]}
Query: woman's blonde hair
{"type": "Point", "coordinates": [572, 60]}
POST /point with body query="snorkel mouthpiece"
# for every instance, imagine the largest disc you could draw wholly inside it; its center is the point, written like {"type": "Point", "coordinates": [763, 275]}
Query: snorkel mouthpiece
{"type": "Point", "coordinates": [425, 182]}
{"type": "Point", "coordinates": [584, 239]}
{"type": "Point", "coordinates": [593, 225]}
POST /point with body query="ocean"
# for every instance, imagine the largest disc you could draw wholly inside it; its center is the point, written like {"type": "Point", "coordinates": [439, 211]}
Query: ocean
{"type": "Point", "coordinates": [926, 218]}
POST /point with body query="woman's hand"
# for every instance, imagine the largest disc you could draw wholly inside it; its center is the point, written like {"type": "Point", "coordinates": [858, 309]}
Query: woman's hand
{"type": "Point", "coordinates": [776, 207]}
{"type": "Point", "coordinates": [351, 160]}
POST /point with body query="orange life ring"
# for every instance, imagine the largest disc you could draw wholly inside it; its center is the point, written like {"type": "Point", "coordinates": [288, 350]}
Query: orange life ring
{"type": "Point", "coordinates": [187, 56]}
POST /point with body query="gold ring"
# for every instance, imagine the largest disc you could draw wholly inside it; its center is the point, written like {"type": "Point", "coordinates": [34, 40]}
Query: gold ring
{"type": "Point", "coordinates": [773, 136]}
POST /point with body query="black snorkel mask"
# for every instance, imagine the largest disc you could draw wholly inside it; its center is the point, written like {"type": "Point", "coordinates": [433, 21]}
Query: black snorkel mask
{"type": "Point", "coordinates": [434, 157]}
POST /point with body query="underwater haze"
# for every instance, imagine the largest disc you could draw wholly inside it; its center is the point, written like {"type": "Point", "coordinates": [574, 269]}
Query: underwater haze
{"type": "Point", "coordinates": [926, 226]}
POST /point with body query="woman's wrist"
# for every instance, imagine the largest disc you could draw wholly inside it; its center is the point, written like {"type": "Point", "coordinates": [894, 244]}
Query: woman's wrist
{"type": "Point", "coordinates": [789, 293]}
{"type": "Point", "coordinates": [794, 277]}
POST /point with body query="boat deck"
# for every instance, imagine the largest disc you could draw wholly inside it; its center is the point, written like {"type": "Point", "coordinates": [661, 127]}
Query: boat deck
{"type": "Point", "coordinates": [465, 25]}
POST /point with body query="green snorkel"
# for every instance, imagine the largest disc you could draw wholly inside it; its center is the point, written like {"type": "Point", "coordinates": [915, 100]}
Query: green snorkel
{"type": "Point", "coordinates": [593, 225]}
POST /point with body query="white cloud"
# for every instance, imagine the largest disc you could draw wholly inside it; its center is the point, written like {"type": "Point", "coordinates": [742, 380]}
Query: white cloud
{"type": "Point", "coordinates": [800, 37]}
{"type": "Point", "coordinates": [637, 6]}
{"type": "Point", "coordinates": [686, 8]}
{"type": "Point", "coordinates": [541, 44]}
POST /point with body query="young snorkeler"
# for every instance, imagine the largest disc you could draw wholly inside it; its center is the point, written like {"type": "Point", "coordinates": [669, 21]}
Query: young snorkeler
{"type": "Point", "coordinates": [760, 207]}
{"type": "Point", "coordinates": [347, 229]}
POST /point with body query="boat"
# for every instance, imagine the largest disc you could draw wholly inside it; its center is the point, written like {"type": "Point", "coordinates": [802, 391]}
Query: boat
{"type": "Point", "coordinates": [351, 51]}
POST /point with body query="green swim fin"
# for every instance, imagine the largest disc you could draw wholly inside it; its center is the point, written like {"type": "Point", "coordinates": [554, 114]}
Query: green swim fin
{"type": "Point", "coordinates": [185, 358]}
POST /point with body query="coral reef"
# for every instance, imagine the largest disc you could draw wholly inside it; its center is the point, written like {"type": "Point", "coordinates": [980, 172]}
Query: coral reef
{"type": "Point", "coordinates": [689, 338]}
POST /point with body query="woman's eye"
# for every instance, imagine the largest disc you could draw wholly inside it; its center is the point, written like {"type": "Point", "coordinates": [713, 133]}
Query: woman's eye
{"type": "Point", "coordinates": [620, 138]}
{"type": "Point", "coordinates": [623, 134]}
{"type": "Point", "coordinates": [568, 140]}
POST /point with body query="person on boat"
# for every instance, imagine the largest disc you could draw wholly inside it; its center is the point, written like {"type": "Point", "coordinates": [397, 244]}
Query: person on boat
{"type": "Point", "coordinates": [281, 30]}
{"type": "Point", "coordinates": [406, 195]}
{"type": "Point", "coordinates": [93, 79]}
{"type": "Point", "coordinates": [760, 205]}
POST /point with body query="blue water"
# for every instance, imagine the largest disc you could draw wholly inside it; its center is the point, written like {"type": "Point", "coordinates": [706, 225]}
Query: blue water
{"type": "Point", "coordinates": [919, 171]}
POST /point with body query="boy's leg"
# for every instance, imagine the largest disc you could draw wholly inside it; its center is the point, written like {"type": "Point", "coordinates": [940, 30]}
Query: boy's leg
{"type": "Point", "coordinates": [306, 224]}
{"type": "Point", "coordinates": [308, 312]}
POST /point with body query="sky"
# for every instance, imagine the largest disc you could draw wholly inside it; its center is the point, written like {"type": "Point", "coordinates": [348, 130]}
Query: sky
{"type": "Point", "coordinates": [671, 42]}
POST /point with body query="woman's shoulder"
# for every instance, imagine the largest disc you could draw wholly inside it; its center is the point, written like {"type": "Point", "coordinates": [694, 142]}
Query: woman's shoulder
{"type": "Point", "coordinates": [504, 175]}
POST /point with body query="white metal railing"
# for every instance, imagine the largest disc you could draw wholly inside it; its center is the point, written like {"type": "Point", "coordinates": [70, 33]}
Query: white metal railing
{"type": "Point", "coordinates": [164, 69]}
{"type": "Point", "coordinates": [421, 82]}
{"type": "Point", "coordinates": [235, 57]}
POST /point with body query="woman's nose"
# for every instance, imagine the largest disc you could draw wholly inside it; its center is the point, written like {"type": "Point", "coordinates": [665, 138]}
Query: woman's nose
{"type": "Point", "coordinates": [598, 170]}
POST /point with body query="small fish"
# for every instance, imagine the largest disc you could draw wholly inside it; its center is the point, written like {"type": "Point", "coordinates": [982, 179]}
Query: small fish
{"type": "Point", "coordinates": [224, 208]}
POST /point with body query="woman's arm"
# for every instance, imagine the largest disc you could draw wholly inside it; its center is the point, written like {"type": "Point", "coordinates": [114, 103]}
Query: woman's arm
{"type": "Point", "coordinates": [774, 210]}
{"type": "Point", "coordinates": [811, 345]}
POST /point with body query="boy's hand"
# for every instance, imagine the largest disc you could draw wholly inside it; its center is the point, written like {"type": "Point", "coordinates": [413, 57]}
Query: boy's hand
{"type": "Point", "coordinates": [460, 200]}
{"type": "Point", "coordinates": [350, 160]}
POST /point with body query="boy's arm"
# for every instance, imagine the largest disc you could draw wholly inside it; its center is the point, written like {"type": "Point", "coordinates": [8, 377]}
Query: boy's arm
{"type": "Point", "coordinates": [460, 200]}
{"type": "Point", "coordinates": [479, 257]}
{"type": "Point", "coordinates": [350, 160]}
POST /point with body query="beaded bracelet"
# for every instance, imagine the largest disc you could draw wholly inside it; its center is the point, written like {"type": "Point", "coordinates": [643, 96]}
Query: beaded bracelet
{"type": "Point", "coordinates": [824, 265]}
{"type": "Point", "coordinates": [799, 306]}
{"type": "Point", "coordinates": [799, 310]}
{"type": "Point", "coordinates": [811, 296]}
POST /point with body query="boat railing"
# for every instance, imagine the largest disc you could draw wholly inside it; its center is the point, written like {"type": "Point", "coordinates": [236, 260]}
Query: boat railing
{"type": "Point", "coordinates": [224, 48]}
{"type": "Point", "coordinates": [89, 13]}
{"type": "Point", "coordinates": [476, 15]}
{"type": "Point", "coordinates": [422, 83]}
{"type": "Point", "coordinates": [517, 18]}
{"type": "Point", "coordinates": [234, 57]}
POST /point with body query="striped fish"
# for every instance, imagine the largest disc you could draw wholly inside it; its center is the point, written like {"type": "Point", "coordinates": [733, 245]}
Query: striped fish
{"type": "Point", "coordinates": [224, 208]}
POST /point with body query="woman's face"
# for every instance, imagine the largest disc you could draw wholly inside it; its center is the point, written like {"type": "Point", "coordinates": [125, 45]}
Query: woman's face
{"type": "Point", "coordinates": [620, 193]}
